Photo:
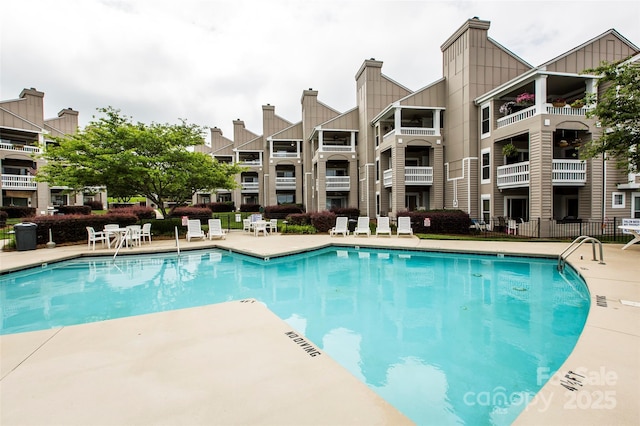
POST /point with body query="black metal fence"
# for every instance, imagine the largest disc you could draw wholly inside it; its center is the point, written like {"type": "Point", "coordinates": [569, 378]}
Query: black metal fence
{"type": "Point", "coordinates": [567, 229]}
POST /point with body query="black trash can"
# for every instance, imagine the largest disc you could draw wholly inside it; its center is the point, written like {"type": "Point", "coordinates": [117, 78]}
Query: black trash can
{"type": "Point", "coordinates": [25, 236]}
{"type": "Point", "coordinates": [352, 224]}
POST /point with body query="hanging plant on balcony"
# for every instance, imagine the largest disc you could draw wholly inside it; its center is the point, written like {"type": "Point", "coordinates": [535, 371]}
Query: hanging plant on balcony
{"type": "Point", "coordinates": [578, 103]}
{"type": "Point", "coordinates": [507, 108]}
{"type": "Point", "coordinates": [525, 99]}
{"type": "Point", "coordinates": [559, 102]}
{"type": "Point", "coordinates": [509, 150]}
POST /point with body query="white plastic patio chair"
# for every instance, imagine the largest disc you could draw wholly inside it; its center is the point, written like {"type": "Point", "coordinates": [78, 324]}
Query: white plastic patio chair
{"type": "Point", "coordinates": [341, 226]}
{"type": "Point", "coordinates": [273, 225]}
{"type": "Point", "coordinates": [145, 233]}
{"type": "Point", "coordinates": [362, 227]}
{"type": "Point", "coordinates": [215, 229]}
{"type": "Point", "coordinates": [194, 230]}
{"type": "Point", "coordinates": [133, 235]}
{"type": "Point", "coordinates": [260, 226]}
{"type": "Point", "coordinates": [383, 226]}
{"type": "Point", "coordinates": [404, 226]}
{"type": "Point", "coordinates": [94, 236]}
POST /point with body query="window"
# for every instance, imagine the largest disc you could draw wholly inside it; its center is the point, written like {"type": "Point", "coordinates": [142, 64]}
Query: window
{"type": "Point", "coordinates": [617, 200]}
{"type": "Point", "coordinates": [486, 165]}
{"type": "Point", "coordinates": [485, 121]}
{"type": "Point", "coordinates": [635, 205]}
{"type": "Point", "coordinates": [285, 198]}
{"type": "Point", "coordinates": [486, 208]}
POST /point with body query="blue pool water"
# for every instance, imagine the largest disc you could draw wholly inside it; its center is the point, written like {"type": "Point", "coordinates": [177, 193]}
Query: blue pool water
{"type": "Point", "coordinates": [445, 338]}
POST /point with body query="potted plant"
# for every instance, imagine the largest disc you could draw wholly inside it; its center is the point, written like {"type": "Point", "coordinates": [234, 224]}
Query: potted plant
{"type": "Point", "coordinates": [525, 99]}
{"type": "Point", "coordinates": [509, 150]}
{"type": "Point", "coordinates": [559, 102]}
{"type": "Point", "coordinates": [578, 103]}
{"type": "Point", "coordinates": [507, 108]}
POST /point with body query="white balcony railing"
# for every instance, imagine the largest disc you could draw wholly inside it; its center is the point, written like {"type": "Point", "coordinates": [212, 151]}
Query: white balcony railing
{"type": "Point", "coordinates": [251, 162]}
{"type": "Point", "coordinates": [413, 175]}
{"type": "Point", "coordinates": [513, 175]}
{"type": "Point", "coordinates": [566, 110]}
{"type": "Point", "coordinates": [418, 131]}
{"type": "Point", "coordinates": [564, 173]}
{"type": "Point", "coordinates": [418, 175]}
{"type": "Point", "coordinates": [547, 109]}
{"type": "Point", "coordinates": [285, 183]}
{"type": "Point", "coordinates": [18, 147]}
{"type": "Point", "coordinates": [387, 178]}
{"type": "Point", "coordinates": [516, 117]}
{"type": "Point", "coordinates": [250, 186]}
{"type": "Point", "coordinates": [284, 154]}
{"type": "Point", "coordinates": [19, 182]}
{"type": "Point", "coordinates": [336, 148]}
{"type": "Point", "coordinates": [411, 131]}
{"type": "Point", "coordinates": [338, 183]}
{"type": "Point", "coordinates": [569, 172]}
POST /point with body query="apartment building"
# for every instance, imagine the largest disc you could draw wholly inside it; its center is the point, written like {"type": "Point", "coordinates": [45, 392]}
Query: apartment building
{"type": "Point", "coordinates": [442, 145]}
{"type": "Point", "coordinates": [24, 134]}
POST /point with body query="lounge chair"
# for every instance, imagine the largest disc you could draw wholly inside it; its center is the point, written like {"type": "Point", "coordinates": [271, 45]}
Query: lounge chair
{"type": "Point", "coordinates": [404, 226]}
{"type": "Point", "coordinates": [94, 236]}
{"type": "Point", "coordinates": [633, 230]}
{"type": "Point", "coordinates": [341, 226]}
{"type": "Point", "coordinates": [194, 230]}
{"type": "Point", "coordinates": [215, 229]}
{"type": "Point", "coordinates": [363, 226]}
{"type": "Point", "coordinates": [383, 226]}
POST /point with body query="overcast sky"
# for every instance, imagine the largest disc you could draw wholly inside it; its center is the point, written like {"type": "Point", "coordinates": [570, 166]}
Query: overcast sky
{"type": "Point", "coordinates": [211, 62]}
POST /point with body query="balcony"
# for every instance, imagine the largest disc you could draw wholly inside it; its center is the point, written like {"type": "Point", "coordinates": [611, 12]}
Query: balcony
{"type": "Point", "coordinates": [569, 173]}
{"type": "Point", "coordinates": [513, 175]}
{"type": "Point", "coordinates": [20, 182]}
{"type": "Point", "coordinates": [336, 148]}
{"type": "Point", "coordinates": [20, 147]}
{"type": "Point", "coordinates": [547, 109]}
{"type": "Point", "coordinates": [286, 183]}
{"type": "Point", "coordinates": [413, 175]}
{"type": "Point", "coordinates": [564, 173]}
{"type": "Point", "coordinates": [338, 183]}
{"type": "Point", "coordinates": [250, 186]}
{"type": "Point", "coordinates": [411, 131]}
{"type": "Point", "coordinates": [284, 154]}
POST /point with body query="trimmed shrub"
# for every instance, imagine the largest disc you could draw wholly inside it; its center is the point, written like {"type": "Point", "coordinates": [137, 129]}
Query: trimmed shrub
{"type": "Point", "coordinates": [227, 206]}
{"type": "Point", "coordinates": [72, 228]}
{"type": "Point", "coordinates": [323, 221]}
{"type": "Point", "coordinates": [441, 221]}
{"type": "Point", "coordinates": [74, 210]}
{"type": "Point", "coordinates": [299, 229]}
{"type": "Point", "coordinates": [3, 217]}
{"type": "Point", "coordinates": [300, 219]}
{"type": "Point", "coordinates": [351, 213]}
{"type": "Point", "coordinates": [139, 212]}
{"type": "Point", "coordinates": [94, 205]}
{"type": "Point", "coordinates": [281, 211]}
{"type": "Point", "coordinates": [16, 212]}
{"type": "Point", "coordinates": [201, 213]}
{"type": "Point", "coordinates": [167, 226]}
{"type": "Point", "coordinates": [249, 208]}
{"type": "Point", "coordinates": [121, 205]}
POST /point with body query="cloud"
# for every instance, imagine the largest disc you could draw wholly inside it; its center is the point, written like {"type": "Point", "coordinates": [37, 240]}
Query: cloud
{"type": "Point", "coordinates": [211, 62]}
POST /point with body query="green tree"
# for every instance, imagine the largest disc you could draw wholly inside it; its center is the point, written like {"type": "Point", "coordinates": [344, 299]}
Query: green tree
{"type": "Point", "coordinates": [135, 159]}
{"type": "Point", "coordinates": [618, 113]}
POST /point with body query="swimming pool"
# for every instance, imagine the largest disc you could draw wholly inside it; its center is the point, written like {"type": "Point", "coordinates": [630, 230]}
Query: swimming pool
{"type": "Point", "coordinates": [446, 338]}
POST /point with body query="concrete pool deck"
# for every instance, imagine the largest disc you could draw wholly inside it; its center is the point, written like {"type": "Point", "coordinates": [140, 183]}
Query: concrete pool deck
{"type": "Point", "coordinates": [233, 363]}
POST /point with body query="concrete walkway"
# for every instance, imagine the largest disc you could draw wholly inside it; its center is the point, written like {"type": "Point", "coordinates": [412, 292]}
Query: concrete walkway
{"type": "Point", "coordinates": [233, 363]}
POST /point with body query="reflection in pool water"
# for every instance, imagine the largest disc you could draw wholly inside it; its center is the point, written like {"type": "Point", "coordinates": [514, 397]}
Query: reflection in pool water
{"type": "Point", "coordinates": [446, 338]}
